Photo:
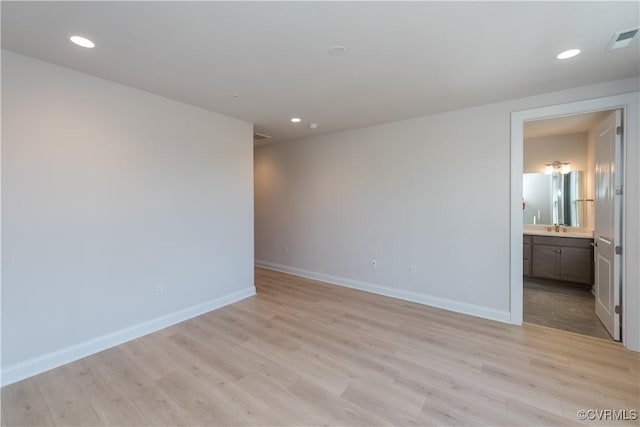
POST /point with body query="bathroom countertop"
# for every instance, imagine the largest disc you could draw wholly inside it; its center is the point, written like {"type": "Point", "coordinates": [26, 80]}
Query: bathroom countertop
{"type": "Point", "coordinates": [581, 234]}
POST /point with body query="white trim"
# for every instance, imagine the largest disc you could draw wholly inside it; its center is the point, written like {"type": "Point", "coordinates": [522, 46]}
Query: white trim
{"type": "Point", "coordinates": [45, 362]}
{"type": "Point", "coordinates": [630, 103]}
{"type": "Point", "coordinates": [446, 304]}
{"type": "Point", "coordinates": [517, 168]}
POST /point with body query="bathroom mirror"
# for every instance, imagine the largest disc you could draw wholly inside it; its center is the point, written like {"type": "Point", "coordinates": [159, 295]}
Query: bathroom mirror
{"type": "Point", "coordinates": [554, 199]}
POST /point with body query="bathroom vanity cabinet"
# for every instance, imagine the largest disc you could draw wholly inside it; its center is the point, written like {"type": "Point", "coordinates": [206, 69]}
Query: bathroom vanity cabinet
{"type": "Point", "coordinates": [558, 258]}
{"type": "Point", "coordinates": [527, 240]}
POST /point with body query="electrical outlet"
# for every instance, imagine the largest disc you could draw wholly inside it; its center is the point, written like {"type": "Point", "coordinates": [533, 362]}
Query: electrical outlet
{"type": "Point", "coordinates": [285, 251]}
{"type": "Point", "coordinates": [160, 288]}
{"type": "Point", "coordinates": [414, 269]}
{"type": "Point", "coordinates": [374, 263]}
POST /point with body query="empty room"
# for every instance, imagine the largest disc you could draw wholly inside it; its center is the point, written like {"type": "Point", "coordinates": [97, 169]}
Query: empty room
{"type": "Point", "coordinates": [320, 213]}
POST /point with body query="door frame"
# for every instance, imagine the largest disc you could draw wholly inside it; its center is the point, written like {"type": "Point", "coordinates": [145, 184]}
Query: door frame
{"type": "Point", "coordinates": [629, 103]}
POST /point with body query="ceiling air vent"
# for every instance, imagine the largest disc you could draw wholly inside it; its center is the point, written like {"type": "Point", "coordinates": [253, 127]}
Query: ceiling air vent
{"type": "Point", "coordinates": [259, 136]}
{"type": "Point", "coordinates": [622, 39]}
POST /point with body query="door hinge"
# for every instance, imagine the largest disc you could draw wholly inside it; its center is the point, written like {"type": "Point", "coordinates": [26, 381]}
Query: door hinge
{"type": "Point", "coordinates": [618, 250]}
{"type": "Point", "coordinates": [619, 190]}
{"type": "Point", "coordinates": [619, 130]}
{"type": "Point", "coordinates": [618, 309]}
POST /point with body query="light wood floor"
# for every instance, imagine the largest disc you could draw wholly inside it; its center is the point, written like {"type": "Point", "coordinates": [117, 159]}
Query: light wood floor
{"type": "Point", "coordinates": [306, 353]}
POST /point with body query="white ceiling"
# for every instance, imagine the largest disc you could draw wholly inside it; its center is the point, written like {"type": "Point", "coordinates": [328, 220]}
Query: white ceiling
{"type": "Point", "coordinates": [564, 125]}
{"type": "Point", "coordinates": [403, 60]}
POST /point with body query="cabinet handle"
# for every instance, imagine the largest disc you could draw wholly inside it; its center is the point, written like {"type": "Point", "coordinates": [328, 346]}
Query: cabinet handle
{"type": "Point", "coordinates": [559, 251]}
{"type": "Point", "coordinates": [594, 244]}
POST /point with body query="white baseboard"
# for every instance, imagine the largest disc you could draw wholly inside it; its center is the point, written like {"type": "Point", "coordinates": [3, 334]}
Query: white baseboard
{"type": "Point", "coordinates": [45, 362]}
{"type": "Point", "coordinates": [446, 304]}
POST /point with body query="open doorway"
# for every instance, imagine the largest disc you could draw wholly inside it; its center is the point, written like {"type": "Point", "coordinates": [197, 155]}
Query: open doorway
{"type": "Point", "coordinates": [627, 314]}
{"type": "Point", "coordinates": [569, 204]}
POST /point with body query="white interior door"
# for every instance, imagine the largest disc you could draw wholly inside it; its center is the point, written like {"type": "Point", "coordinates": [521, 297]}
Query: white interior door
{"type": "Point", "coordinates": [608, 224]}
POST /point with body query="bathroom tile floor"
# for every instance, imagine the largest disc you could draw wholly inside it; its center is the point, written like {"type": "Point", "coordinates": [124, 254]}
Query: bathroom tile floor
{"type": "Point", "coordinates": [562, 306]}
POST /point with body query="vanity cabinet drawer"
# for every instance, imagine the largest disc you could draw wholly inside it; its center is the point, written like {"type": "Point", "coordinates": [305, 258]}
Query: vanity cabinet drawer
{"type": "Point", "coordinates": [562, 241]}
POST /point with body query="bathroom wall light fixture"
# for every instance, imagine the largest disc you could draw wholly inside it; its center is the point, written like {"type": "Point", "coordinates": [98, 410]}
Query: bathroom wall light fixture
{"type": "Point", "coordinates": [555, 167]}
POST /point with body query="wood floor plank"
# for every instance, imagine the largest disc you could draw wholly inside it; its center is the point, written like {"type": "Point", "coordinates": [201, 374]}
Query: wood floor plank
{"type": "Point", "coordinates": [218, 360]}
{"type": "Point", "coordinates": [303, 367]}
{"type": "Point", "coordinates": [302, 352]}
{"type": "Point", "coordinates": [254, 360]}
{"type": "Point", "coordinates": [112, 406]}
{"type": "Point", "coordinates": [66, 400]}
{"type": "Point", "coordinates": [156, 406]}
{"type": "Point", "coordinates": [341, 410]}
{"type": "Point", "coordinates": [282, 402]}
{"type": "Point", "coordinates": [394, 404]}
{"type": "Point", "coordinates": [531, 415]}
{"type": "Point", "coordinates": [24, 405]}
{"type": "Point", "coordinates": [238, 404]}
{"type": "Point", "coordinates": [152, 364]}
{"type": "Point", "coordinates": [198, 399]}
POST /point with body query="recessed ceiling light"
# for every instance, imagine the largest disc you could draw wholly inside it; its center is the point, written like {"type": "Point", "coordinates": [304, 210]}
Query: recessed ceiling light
{"type": "Point", "coordinates": [295, 120]}
{"type": "Point", "coordinates": [568, 54]}
{"type": "Point", "coordinates": [313, 126]}
{"type": "Point", "coordinates": [81, 41]}
{"type": "Point", "coordinates": [337, 50]}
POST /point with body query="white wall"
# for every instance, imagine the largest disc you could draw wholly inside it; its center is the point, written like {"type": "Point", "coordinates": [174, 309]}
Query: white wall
{"type": "Point", "coordinates": [106, 192]}
{"type": "Point", "coordinates": [432, 191]}
{"type": "Point", "coordinates": [570, 148]}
